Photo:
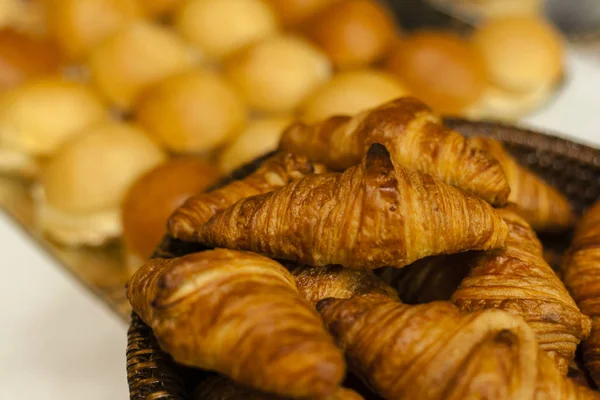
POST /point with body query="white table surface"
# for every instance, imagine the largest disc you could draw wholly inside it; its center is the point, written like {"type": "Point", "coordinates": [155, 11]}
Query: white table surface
{"type": "Point", "coordinates": [59, 342]}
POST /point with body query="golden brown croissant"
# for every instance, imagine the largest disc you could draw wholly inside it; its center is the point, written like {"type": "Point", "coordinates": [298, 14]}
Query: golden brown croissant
{"type": "Point", "coordinates": [318, 283]}
{"type": "Point", "coordinates": [415, 137]}
{"type": "Point", "coordinates": [372, 215]}
{"type": "Point", "coordinates": [432, 351]}
{"type": "Point", "coordinates": [276, 171]}
{"type": "Point", "coordinates": [239, 314]}
{"type": "Point", "coordinates": [517, 279]}
{"type": "Point", "coordinates": [221, 388]}
{"type": "Point", "coordinates": [545, 208]}
{"type": "Point", "coordinates": [552, 385]}
{"type": "Point", "coordinates": [581, 273]}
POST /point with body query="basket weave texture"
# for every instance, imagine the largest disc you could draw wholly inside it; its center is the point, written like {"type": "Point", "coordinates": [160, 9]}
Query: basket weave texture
{"type": "Point", "coordinates": [573, 168]}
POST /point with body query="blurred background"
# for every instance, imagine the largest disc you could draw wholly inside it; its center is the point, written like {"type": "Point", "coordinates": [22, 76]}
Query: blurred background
{"type": "Point", "coordinates": [113, 112]}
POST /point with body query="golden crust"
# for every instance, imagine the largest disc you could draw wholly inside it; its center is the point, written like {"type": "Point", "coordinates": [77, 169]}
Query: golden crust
{"type": "Point", "coordinates": [581, 273]}
{"type": "Point", "coordinates": [372, 215]}
{"type": "Point", "coordinates": [274, 173]}
{"type": "Point", "coordinates": [414, 136]}
{"type": "Point", "coordinates": [545, 208]}
{"type": "Point", "coordinates": [238, 314]}
{"type": "Point", "coordinates": [318, 283]}
{"type": "Point", "coordinates": [518, 280]}
{"type": "Point", "coordinates": [432, 351]}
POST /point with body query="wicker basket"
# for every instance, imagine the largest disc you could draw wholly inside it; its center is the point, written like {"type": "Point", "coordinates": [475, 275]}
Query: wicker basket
{"type": "Point", "coordinates": [573, 168]}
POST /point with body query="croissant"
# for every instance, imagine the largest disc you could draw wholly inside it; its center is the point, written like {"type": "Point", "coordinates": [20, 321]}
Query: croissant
{"type": "Point", "coordinates": [581, 273]}
{"type": "Point", "coordinates": [432, 351]}
{"type": "Point", "coordinates": [239, 314]}
{"type": "Point", "coordinates": [372, 215]}
{"type": "Point", "coordinates": [273, 173]}
{"type": "Point", "coordinates": [518, 280]}
{"type": "Point", "coordinates": [221, 388]}
{"type": "Point", "coordinates": [540, 204]}
{"type": "Point", "coordinates": [318, 283]}
{"type": "Point", "coordinates": [416, 138]}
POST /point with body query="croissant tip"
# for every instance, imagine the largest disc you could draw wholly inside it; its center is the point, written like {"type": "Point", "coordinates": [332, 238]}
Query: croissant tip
{"type": "Point", "coordinates": [325, 303]}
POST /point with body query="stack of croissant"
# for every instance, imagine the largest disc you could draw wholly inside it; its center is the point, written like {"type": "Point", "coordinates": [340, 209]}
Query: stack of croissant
{"type": "Point", "coordinates": [383, 246]}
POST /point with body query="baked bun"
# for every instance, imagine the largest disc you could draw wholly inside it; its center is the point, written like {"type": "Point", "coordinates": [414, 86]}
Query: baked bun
{"type": "Point", "coordinates": [353, 33]}
{"type": "Point", "coordinates": [260, 137]}
{"type": "Point", "coordinates": [509, 106]}
{"type": "Point", "coordinates": [135, 58]}
{"type": "Point", "coordinates": [220, 27]}
{"type": "Point", "coordinates": [279, 72]}
{"type": "Point", "coordinates": [80, 25]}
{"type": "Point", "coordinates": [83, 185]}
{"type": "Point", "coordinates": [194, 112]}
{"type": "Point", "coordinates": [152, 199]}
{"type": "Point", "coordinates": [351, 92]}
{"type": "Point", "coordinates": [441, 69]}
{"type": "Point", "coordinates": [295, 12]}
{"type": "Point", "coordinates": [24, 56]}
{"type": "Point", "coordinates": [40, 115]}
{"type": "Point", "coordinates": [521, 53]}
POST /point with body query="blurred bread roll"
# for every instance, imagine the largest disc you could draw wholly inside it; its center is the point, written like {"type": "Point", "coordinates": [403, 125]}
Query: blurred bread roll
{"type": "Point", "coordinates": [485, 9]}
{"type": "Point", "coordinates": [157, 8]}
{"type": "Point", "coordinates": [278, 73]}
{"type": "Point", "coordinates": [135, 58]}
{"type": "Point", "coordinates": [37, 117]}
{"type": "Point", "coordinates": [80, 25]}
{"type": "Point", "coordinates": [221, 27]}
{"type": "Point", "coordinates": [351, 92]}
{"type": "Point", "coordinates": [500, 104]}
{"type": "Point", "coordinates": [194, 112]}
{"type": "Point", "coordinates": [83, 185]}
{"type": "Point", "coordinates": [353, 33]}
{"type": "Point", "coordinates": [521, 53]}
{"type": "Point", "coordinates": [24, 56]}
{"type": "Point", "coordinates": [294, 12]}
{"type": "Point", "coordinates": [260, 137]}
{"type": "Point", "coordinates": [441, 69]}
{"type": "Point", "coordinates": [151, 200]}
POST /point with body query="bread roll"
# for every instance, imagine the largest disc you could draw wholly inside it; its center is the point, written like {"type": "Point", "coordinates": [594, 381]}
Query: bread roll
{"type": "Point", "coordinates": [260, 137]}
{"type": "Point", "coordinates": [349, 93]}
{"type": "Point", "coordinates": [24, 56]}
{"type": "Point", "coordinates": [157, 8]}
{"type": "Point", "coordinates": [294, 12]}
{"type": "Point", "coordinates": [507, 105]}
{"type": "Point", "coordinates": [441, 69]}
{"type": "Point", "coordinates": [278, 73]}
{"type": "Point", "coordinates": [83, 185]}
{"type": "Point", "coordinates": [153, 198]}
{"type": "Point", "coordinates": [353, 33]}
{"type": "Point", "coordinates": [135, 58]}
{"type": "Point", "coordinates": [194, 112]}
{"type": "Point", "coordinates": [80, 25]}
{"type": "Point", "coordinates": [40, 115]}
{"type": "Point", "coordinates": [220, 27]}
{"type": "Point", "coordinates": [521, 53]}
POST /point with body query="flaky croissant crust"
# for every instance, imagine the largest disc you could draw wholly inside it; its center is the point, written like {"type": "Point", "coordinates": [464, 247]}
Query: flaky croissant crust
{"type": "Point", "coordinates": [415, 137]}
{"type": "Point", "coordinates": [275, 172]}
{"type": "Point", "coordinates": [581, 273]}
{"type": "Point", "coordinates": [239, 314]}
{"type": "Point", "coordinates": [542, 206]}
{"type": "Point", "coordinates": [518, 279]}
{"type": "Point", "coordinates": [372, 215]}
